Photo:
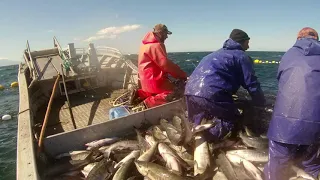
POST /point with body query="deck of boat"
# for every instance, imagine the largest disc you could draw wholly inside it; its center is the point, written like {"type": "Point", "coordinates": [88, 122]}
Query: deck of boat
{"type": "Point", "coordinates": [88, 108]}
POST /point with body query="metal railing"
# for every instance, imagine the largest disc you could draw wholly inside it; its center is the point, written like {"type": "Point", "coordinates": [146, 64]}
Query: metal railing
{"type": "Point", "coordinates": [80, 51]}
{"type": "Point", "coordinates": [108, 51]}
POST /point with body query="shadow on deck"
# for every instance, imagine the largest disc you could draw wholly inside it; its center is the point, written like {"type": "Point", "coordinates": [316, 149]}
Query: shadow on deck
{"type": "Point", "coordinates": [90, 107]}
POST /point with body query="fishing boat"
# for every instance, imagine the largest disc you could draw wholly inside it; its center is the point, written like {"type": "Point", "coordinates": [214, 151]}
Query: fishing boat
{"type": "Point", "coordinates": [66, 96]}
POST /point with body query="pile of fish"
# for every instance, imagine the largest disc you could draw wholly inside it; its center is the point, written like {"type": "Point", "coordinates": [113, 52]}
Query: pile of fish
{"type": "Point", "coordinates": [173, 150]}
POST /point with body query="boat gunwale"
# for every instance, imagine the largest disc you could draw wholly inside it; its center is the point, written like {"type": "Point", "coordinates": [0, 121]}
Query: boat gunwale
{"type": "Point", "coordinates": [26, 166]}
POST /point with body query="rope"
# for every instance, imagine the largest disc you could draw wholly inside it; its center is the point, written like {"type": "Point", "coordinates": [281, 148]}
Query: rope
{"type": "Point", "coordinates": [116, 105]}
{"type": "Point", "coordinates": [23, 111]}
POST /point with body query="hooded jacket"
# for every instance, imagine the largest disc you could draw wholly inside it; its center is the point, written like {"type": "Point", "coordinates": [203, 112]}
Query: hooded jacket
{"type": "Point", "coordinates": [296, 115]}
{"type": "Point", "coordinates": [221, 73]}
{"type": "Point", "coordinates": [154, 66]}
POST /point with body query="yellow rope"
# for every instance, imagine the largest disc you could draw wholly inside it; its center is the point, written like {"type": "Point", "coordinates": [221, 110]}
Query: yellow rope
{"type": "Point", "coordinates": [114, 102]}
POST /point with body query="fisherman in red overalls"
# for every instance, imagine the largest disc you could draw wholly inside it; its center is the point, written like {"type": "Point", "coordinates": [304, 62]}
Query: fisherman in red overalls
{"type": "Point", "coordinates": [154, 68]}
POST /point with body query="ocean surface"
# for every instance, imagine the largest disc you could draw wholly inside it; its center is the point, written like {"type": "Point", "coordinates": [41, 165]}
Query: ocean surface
{"type": "Point", "coordinates": [9, 98]}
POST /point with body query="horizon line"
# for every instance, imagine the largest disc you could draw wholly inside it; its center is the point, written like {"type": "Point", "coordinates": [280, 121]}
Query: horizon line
{"type": "Point", "coordinates": [213, 51]}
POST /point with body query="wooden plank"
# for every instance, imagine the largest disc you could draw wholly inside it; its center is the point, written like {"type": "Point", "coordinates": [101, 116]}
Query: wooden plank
{"type": "Point", "coordinates": [26, 160]}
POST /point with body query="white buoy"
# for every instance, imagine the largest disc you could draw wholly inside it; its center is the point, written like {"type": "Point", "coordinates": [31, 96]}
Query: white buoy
{"type": "Point", "coordinates": [6, 117]}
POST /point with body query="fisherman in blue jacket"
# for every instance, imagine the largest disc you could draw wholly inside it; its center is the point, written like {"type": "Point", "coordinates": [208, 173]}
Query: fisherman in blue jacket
{"type": "Point", "coordinates": [219, 75]}
{"type": "Point", "coordinates": [294, 130]}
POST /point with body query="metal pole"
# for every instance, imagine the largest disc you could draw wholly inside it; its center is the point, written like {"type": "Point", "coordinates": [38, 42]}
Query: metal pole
{"type": "Point", "coordinates": [66, 93]}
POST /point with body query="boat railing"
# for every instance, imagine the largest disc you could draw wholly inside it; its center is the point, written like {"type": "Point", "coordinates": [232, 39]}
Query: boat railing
{"type": "Point", "coordinates": [109, 51]}
{"type": "Point", "coordinates": [61, 52]}
{"type": "Point", "coordinates": [80, 51]}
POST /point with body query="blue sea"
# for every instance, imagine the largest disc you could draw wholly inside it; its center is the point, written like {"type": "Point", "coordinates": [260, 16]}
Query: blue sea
{"type": "Point", "coordinates": [9, 98]}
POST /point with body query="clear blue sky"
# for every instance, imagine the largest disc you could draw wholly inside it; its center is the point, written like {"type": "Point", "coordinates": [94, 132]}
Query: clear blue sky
{"type": "Point", "coordinates": [196, 25]}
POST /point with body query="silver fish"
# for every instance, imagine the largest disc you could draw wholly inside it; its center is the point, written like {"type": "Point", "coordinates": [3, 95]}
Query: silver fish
{"type": "Point", "coordinates": [255, 142]}
{"type": "Point", "coordinates": [203, 127]}
{"type": "Point", "coordinates": [185, 124]}
{"type": "Point", "coordinates": [155, 172]}
{"type": "Point", "coordinates": [121, 145]}
{"type": "Point", "coordinates": [134, 154]}
{"type": "Point", "coordinates": [177, 122]}
{"type": "Point", "coordinates": [219, 176]}
{"type": "Point", "coordinates": [103, 148]}
{"type": "Point", "coordinates": [188, 134]}
{"type": "Point", "coordinates": [68, 166]}
{"type": "Point", "coordinates": [102, 142]}
{"type": "Point", "coordinates": [249, 132]}
{"type": "Point", "coordinates": [149, 153]}
{"type": "Point", "coordinates": [253, 171]}
{"type": "Point", "coordinates": [167, 150]}
{"type": "Point", "coordinates": [159, 135]}
{"type": "Point", "coordinates": [142, 142]}
{"type": "Point", "coordinates": [175, 136]}
{"type": "Point", "coordinates": [86, 170]}
{"type": "Point", "coordinates": [201, 155]}
{"type": "Point", "coordinates": [299, 178]}
{"type": "Point", "coordinates": [150, 139]}
{"type": "Point", "coordinates": [135, 177]}
{"type": "Point", "coordinates": [225, 166]}
{"type": "Point", "coordinates": [72, 153]}
{"type": "Point", "coordinates": [123, 171]}
{"type": "Point", "coordinates": [182, 152]}
{"type": "Point", "coordinates": [241, 173]}
{"type": "Point", "coordinates": [103, 170]}
{"type": "Point", "coordinates": [169, 157]}
{"type": "Point", "coordinates": [300, 172]}
{"type": "Point", "coordinates": [224, 144]}
{"type": "Point", "coordinates": [251, 155]}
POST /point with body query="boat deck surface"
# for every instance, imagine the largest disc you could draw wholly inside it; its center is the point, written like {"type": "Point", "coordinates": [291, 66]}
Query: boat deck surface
{"type": "Point", "coordinates": [88, 108]}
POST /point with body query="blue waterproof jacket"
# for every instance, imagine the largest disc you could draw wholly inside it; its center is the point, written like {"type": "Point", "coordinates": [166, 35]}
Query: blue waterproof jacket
{"type": "Point", "coordinates": [296, 115]}
{"type": "Point", "coordinates": [221, 73]}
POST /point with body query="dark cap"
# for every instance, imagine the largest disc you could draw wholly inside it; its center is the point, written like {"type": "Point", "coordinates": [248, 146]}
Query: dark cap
{"type": "Point", "coordinates": [238, 35]}
{"type": "Point", "coordinates": [161, 28]}
{"type": "Point", "coordinates": [308, 32]}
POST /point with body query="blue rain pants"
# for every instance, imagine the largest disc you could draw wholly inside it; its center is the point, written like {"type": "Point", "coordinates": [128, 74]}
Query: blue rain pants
{"type": "Point", "coordinates": [281, 155]}
{"type": "Point", "coordinates": [199, 108]}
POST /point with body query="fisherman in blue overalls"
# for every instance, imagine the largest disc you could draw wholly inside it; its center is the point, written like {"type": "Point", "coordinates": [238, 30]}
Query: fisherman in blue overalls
{"type": "Point", "coordinates": [294, 131]}
{"type": "Point", "coordinates": [219, 75]}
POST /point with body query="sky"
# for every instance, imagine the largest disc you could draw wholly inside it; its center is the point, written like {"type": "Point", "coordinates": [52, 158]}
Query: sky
{"type": "Point", "coordinates": [196, 25]}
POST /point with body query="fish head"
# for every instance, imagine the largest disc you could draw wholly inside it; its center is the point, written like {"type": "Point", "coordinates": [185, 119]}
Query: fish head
{"type": "Point", "coordinates": [157, 133]}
